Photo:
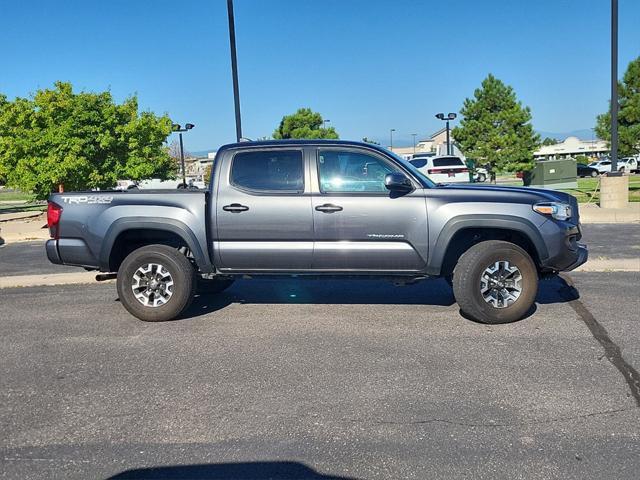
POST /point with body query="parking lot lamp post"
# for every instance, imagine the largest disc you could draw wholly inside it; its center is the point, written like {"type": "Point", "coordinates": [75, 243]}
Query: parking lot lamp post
{"type": "Point", "coordinates": [614, 87]}
{"type": "Point", "coordinates": [414, 142]}
{"type": "Point", "coordinates": [391, 140]}
{"type": "Point", "coordinates": [177, 128]}
{"type": "Point", "coordinates": [324, 123]}
{"type": "Point", "coordinates": [234, 69]}
{"type": "Point", "coordinates": [448, 118]}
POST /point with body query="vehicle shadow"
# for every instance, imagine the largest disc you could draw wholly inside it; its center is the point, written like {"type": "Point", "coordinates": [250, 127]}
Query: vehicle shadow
{"type": "Point", "coordinates": [230, 471]}
{"type": "Point", "coordinates": [434, 292]}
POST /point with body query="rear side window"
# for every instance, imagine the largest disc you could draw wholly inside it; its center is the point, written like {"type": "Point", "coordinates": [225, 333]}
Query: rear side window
{"type": "Point", "coordinates": [447, 162]}
{"type": "Point", "coordinates": [269, 171]}
{"type": "Point", "coordinates": [419, 162]}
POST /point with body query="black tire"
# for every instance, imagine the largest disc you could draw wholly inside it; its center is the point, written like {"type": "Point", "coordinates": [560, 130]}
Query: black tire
{"type": "Point", "coordinates": [468, 273]}
{"type": "Point", "coordinates": [482, 178]}
{"type": "Point", "coordinates": [180, 270]}
{"type": "Point", "coordinates": [212, 286]}
{"type": "Point", "coordinates": [594, 173]}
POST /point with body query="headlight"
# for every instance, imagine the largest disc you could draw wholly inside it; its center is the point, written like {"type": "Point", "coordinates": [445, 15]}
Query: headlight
{"type": "Point", "coordinates": [557, 210]}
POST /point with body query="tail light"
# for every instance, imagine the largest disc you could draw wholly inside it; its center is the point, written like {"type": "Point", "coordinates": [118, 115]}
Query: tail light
{"type": "Point", "coordinates": [432, 170]}
{"type": "Point", "coordinates": [54, 212]}
{"type": "Point", "coordinates": [464, 170]}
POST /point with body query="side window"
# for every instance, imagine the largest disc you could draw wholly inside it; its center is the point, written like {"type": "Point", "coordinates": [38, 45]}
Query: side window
{"type": "Point", "coordinates": [351, 172]}
{"type": "Point", "coordinates": [269, 171]}
{"type": "Point", "coordinates": [419, 162]}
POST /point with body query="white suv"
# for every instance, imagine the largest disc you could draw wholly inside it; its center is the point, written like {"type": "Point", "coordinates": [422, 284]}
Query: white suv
{"type": "Point", "coordinates": [443, 169]}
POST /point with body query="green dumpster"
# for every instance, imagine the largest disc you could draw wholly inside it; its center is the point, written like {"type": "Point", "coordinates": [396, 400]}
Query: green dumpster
{"type": "Point", "coordinates": [554, 174]}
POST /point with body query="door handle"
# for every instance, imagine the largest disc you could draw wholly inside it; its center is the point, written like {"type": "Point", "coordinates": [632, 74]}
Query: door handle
{"type": "Point", "coordinates": [235, 208]}
{"type": "Point", "coordinates": [328, 208]}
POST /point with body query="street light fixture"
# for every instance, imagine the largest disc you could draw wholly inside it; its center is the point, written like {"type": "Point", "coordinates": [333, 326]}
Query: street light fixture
{"type": "Point", "coordinates": [448, 118]}
{"type": "Point", "coordinates": [391, 135]}
{"type": "Point", "coordinates": [176, 127]}
{"type": "Point", "coordinates": [324, 123]}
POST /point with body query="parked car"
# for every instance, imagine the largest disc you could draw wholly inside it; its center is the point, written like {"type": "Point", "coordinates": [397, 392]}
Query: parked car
{"type": "Point", "coordinates": [628, 164]}
{"type": "Point", "coordinates": [604, 166]}
{"type": "Point", "coordinates": [480, 175]}
{"type": "Point", "coordinates": [444, 169]}
{"type": "Point", "coordinates": [586, 171]}
{"type": "Point", "coordinates": [318, 208]}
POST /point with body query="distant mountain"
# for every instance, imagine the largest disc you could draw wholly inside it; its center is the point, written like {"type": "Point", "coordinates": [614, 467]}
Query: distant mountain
{"type": "Point", "coordinates": [583, 134]}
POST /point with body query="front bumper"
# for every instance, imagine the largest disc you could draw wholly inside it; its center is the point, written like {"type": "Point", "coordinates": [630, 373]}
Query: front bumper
{"type": "Point", "coordinates": [564, 251]}
{"type": "Point", "coordinates": [582, 257]}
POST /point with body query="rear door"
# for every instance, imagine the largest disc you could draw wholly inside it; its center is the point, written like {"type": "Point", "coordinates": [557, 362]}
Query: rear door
{"type": "Point", "coordinates": [263, 211]}
{"type": "Point", "coordinates": [358, 224]}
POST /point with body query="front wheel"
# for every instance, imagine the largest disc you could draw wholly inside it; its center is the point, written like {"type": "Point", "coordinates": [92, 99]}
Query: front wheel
{"type": "Point", "coordinates": [482, 178]}
{"type": "Point", "coordinates": [495, 282]}
{"type": "Point", "coordinates": [594, 173]}
{"type": "Point", "coordinates": [156, 283]}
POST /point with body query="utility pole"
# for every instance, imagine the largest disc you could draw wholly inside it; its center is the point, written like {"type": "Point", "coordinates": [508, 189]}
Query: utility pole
{"type": "Point", "coordinates": [391, 135]}
{"type": "Point", "coordinates": [414, 142]}
{"type": "Point", "coordinates": [234, 69]}
{"type": "Point", "coordinates": [614, 87]}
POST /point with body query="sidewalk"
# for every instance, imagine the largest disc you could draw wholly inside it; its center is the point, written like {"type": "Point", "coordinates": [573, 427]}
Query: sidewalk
{"type": "Point", "coordinates": [20, 227]}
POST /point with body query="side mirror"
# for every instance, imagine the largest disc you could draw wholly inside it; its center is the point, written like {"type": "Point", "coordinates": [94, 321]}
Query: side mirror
{"type": "Point", "coordinates": [397, 182]}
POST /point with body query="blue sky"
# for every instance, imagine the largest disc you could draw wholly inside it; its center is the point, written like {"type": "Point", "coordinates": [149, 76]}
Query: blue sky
{"type": "Point", "coordinates": [368, 66]}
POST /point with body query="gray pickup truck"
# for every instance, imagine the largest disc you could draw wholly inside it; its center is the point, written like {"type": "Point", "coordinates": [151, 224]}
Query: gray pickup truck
{"type": "Point", "coordinates": [319, 208]}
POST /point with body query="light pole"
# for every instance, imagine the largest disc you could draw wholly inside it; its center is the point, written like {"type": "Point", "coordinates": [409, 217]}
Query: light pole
{"type": "Point", "coordinates": [324, 123]}
{"type": "Point", "coordinates": [391, 135]}
{"type": "Point", "coordinates": [177, 128]}
{"type": "Point", "coordinates": [414, 142]}
{"type": "Point", "coordinates": [234, 69]}
{"type": "Point", "coordinates": [448, 118]}
{"type": "Point", "coordinates": [614, 87]}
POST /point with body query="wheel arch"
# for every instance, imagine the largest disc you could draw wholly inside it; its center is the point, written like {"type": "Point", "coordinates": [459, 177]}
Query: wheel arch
{"type": "Point", "coordinates": [460, 233]}
{"type": "Point", "coordinates": [127, 234]}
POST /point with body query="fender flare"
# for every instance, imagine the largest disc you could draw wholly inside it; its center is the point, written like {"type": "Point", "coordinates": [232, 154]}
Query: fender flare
{"type": "Point", "coordinates": [503, 222]}
{"type": "Point", "coordinates": [162, 224]}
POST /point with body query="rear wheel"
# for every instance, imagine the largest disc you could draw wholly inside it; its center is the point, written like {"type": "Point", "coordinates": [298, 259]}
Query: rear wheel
{"type": "Point", "coordinates": [482, 177]}
{"type": "Point", "coordinates": [156, 283]}
{"type": "Point", "coordinates": [495, 282]}
{"type": "Point", "coordinates": [594, 173]}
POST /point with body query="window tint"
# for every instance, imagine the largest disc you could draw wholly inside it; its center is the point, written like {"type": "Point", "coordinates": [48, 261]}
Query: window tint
{"type": "Point", "coordinates": [346, 171]}
{"type": "Point", "coordinates": [419, 162]}
{"type": "Point", "coordinates": [447, 162]}
{"type": "Point", "coordinates": [277, 170]}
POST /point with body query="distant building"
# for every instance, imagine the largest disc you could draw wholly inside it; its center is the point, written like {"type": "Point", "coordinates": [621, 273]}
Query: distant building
{"type": "Point", "coordinates": [572, 147]}
{"type": "Point", "coordinates": [436, 143]}
{"type": "Point", "coordinates": [196, 166]}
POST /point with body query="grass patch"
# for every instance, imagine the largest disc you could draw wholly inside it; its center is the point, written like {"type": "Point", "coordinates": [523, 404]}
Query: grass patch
{"type": "Point", "coordinates": [587, 186]}
{"type": "Point", "coordinates": [15, 196]}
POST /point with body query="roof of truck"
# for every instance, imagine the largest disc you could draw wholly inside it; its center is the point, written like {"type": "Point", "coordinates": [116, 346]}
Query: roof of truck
{"type": "Point", "coordinates": [274, 143]}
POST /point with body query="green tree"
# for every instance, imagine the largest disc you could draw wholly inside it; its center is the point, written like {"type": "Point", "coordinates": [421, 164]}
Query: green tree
{"type": "Point", "coordinates": [79, 140]}
{"type": "Point", "coordinates": [549, 141]}
{"type": "Point", "coordinates": [305, 123]}
{"type": "Point", "coordinates": [496, 128]}
{"type": "Point", "coordinates": [628, 113]}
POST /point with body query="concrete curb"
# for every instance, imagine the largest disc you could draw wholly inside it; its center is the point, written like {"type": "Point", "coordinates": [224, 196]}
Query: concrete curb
{"type": "Point", "coordinates": [595, 265]}
{"type": "Point", "coordinates": [590, 213]}
{"type": "Point", "coordinates": [7, 217]}
{"type": "Point", "coordinates": [51, 279]}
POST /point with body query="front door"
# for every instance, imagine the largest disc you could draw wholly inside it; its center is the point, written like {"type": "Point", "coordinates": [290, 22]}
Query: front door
{"type": "Point", "coordinates": [358, 224]}
{"type": "Point", "coordinates": [263, 211]}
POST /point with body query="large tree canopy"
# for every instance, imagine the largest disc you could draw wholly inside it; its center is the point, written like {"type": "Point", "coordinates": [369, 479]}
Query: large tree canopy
{"type": "Point", "coordinates": [80, 140]}
{"type": "Point", "coordinates": [496, 128]}
{"type": "Point", "coordinates": [305, 123]}
{"type": "Point", "coordinates": [628, 113]}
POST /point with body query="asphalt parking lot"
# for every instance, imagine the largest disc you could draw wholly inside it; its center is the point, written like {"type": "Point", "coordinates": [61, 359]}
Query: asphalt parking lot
{"type": "Point", "coordinates": [322, 379]}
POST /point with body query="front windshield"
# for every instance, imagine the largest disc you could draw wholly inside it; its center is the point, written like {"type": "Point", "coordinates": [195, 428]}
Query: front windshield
{"type": "Point", "coordinates": [426, 181]}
